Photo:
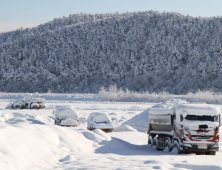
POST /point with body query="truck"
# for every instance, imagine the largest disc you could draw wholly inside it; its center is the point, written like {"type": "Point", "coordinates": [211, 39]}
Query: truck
{"type": "Point", "coordinates": [29, 102]}
{"type": "Point", "coordinates": [185, 127]}
{"type": "Point", "coordinates": [65, 116]}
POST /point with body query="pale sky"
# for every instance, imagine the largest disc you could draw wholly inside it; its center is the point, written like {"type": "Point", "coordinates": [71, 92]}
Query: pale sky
{"type": "Point", "coordinates": [27, 13]}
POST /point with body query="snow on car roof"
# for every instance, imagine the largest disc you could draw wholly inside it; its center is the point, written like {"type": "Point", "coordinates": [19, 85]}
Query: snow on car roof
{"type": "Point", "coordinates": [63, 112]}
{"type": "Point", "coordinates": [99, 117]}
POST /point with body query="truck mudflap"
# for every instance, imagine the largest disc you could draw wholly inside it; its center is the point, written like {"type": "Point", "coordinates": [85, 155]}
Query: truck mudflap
{"type": "Point", "coordinates": [200, 147]}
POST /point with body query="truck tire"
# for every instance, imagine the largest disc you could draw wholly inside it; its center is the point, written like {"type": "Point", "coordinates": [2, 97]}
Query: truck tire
{"type": "Point", "coordinates": [157, 145]}
{"type": "Point", "coordinates": [211, 153]}
{"type": "Point", "coordinates": [167, 144]}
{"type": "Point", "coordinates": [176, 145]}
{"type": "Point", "coordinates": [150, 141]}
{"type": "Point", "coordinates": [34, 107]}
{"type": "Point", "coordinates": [17, 107]}
{"type": "Point", "coordinates": [156, 142]}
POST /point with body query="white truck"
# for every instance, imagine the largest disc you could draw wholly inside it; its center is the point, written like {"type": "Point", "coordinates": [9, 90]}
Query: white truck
{"type": "Point", "coordinates": [66, 116]}
{"type": "Point", "coordinates": [29, 102]}
{"type": "Point", "coordinates": [189, 128]}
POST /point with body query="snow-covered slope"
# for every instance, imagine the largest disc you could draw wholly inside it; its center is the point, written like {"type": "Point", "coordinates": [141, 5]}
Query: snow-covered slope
{"type": "Point", "coordinates": [140, 121]}
{"type": "Point", "coordinates": [141, 51]}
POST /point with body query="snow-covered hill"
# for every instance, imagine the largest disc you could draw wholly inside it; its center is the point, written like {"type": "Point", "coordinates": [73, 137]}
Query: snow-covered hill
{"type": "Point", "coordinates": [30, 140]}
{"type": "Point", "coordinates": [141, 51]}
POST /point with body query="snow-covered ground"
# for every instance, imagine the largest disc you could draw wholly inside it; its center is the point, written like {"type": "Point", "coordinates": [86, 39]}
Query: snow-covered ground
{"type": "Point", "coordinates": [30, 140]}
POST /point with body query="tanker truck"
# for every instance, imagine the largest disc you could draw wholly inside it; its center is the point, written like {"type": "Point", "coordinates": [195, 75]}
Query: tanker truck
{"type": "Point", "coordinates": [189, 128]}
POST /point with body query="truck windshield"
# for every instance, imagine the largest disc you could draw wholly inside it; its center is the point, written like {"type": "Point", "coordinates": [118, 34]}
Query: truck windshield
{"type": "Point", "coordinates": [202, 118]}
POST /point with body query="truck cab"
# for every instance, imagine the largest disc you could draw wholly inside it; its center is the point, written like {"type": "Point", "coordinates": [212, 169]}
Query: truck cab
{"type": "Point", "coordinates": [196, 126]}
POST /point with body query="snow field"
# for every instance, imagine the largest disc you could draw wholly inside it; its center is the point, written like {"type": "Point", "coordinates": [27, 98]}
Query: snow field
{"type": "Point", "coordinates": [30, 140]}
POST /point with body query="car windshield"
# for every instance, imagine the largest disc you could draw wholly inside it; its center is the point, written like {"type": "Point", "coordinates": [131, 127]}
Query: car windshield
{"type": "Point", "coordinates": [101, 122]}
{"type": "Point", "coordinates": [202, 118]}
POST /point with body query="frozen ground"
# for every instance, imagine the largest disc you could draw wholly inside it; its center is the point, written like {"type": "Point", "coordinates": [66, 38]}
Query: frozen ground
{"type": "Point", "coordinates": [30, 140]}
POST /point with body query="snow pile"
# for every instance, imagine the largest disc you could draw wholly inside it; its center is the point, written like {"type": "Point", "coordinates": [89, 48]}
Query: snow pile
{"type": "Point", "coordinates": [28, 146]}
{"type": "Point", "coordinates": [96, 135]}
{"type": "Point", "coordinates": [140, 121]}
{"type": "Point", "coordinates": [169, 104]}
{"type": "Point", "coordinates": [124, 128]}
{"type": "Point", "coordinates": [62, 112]}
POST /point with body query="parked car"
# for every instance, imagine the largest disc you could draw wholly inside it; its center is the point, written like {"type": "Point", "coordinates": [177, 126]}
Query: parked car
{"type": "Point", "coordinates": [101, 121]}
{"type": "Point", "coordinates": [65, 116]}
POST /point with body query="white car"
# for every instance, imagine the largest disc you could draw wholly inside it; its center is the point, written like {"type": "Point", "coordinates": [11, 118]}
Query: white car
{"type": "Point", "coordinates": [65, 116]}
{"type": "Point", "coordinates": [101, 121]}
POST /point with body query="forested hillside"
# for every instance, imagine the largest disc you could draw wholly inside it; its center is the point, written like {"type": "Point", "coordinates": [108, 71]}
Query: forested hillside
{"type": "Point", "coordinates": [139, 51]}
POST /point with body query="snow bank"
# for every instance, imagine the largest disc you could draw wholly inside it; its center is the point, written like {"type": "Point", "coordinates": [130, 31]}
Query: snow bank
{"type": "Point", "coordinates": [28, 146]}
{"type": "Point", "coordinates": [97, 135]}
{"type": "Point", "coordinates": [139, 122]}
{"type": "Point", "coordinates": [123, 128]}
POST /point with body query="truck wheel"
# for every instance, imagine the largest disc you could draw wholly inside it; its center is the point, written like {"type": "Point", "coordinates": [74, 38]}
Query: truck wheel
{"type": "Point", "coordinates": [35, 107]}
{"type": "Point", "coordinates": [200, 153]}
{"type": "Point", "coordinates": [156, 142]}
{"type": "Point", "coordinates": [176, 145]}
{"type": "Point", "coordinates": [17, 107]}
{"type": "Point", "coordinates": [211, 153]}
{"type": "Point", "coordinates": [150, 141]}
{"type": "Point", "coordinates": [157, 145]}
{"type": "Point", "coordinates": [167, 144]}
